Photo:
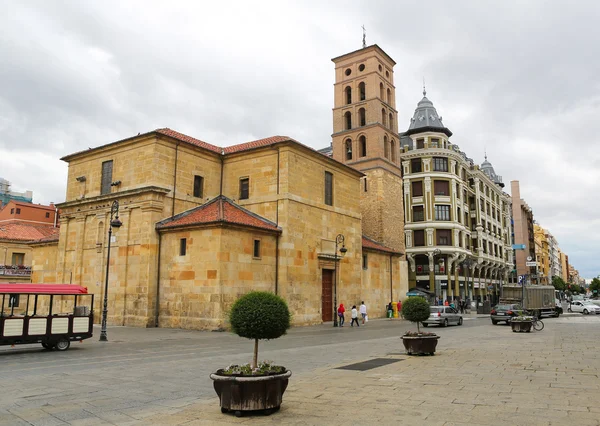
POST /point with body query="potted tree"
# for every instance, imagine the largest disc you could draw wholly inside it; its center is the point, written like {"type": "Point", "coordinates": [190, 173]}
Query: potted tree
{"type": "Point", "coordinates": [255, 386]}
{"type": "Point", "coordinates": [522, 323]}
{"type": "Point", "coordinates": [416, 309]}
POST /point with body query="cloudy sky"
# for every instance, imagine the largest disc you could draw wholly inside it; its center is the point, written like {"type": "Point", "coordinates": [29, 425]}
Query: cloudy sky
{"type": "Point", "coordinates": [516, 78]}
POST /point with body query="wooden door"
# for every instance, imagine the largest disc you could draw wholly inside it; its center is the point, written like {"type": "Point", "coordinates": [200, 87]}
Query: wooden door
{"type": "Point", "coordinates": [327, 295]}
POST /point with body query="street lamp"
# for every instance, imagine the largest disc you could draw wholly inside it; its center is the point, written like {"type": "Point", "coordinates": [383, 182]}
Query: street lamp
{"type": "Point", "coordinates": [435, 253]}
{"type": "Point", "coordinates": [339, 240]}
{"type": "Point", "coordinates": [468, 263]}
{"type": "Point", "coordinates": [114, 223]}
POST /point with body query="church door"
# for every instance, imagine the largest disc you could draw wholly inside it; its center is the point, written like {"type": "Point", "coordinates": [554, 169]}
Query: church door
{"type": "Point", "coordinates": [327, 295]}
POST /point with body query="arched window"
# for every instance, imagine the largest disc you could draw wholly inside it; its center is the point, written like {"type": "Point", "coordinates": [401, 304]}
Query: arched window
{"type": "Point", "coordinates": [362, 119]}
{"type": "Point", "coordinates": [383, 116]}
{"type": "Point", "coordinates": [348, 148]}
{"type": "Point", "coordinates": [363, 91]}
{"type": "Point", "coordinates": [386, 148]}
{"type": "Point", "coordinates": [393, 149]}
{"type": "Point", "coordinates": [381, 91]}
{"type": "Point", "coordinates": [389, 96]}
{"type": "Point", "coordinates": [348, 95]}
{"type": "Point", "coordinates": [362, 141]}
{"type": "Point", "coordinates": [348, 117]}
{"type": "Point", "coordinates": [391, 121]}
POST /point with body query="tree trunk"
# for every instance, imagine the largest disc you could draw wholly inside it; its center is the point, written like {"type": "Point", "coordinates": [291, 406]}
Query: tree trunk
{"type": "Point", "coordinates": [418, 329]}
{"type": "Point", "coordinates": [255, 357]}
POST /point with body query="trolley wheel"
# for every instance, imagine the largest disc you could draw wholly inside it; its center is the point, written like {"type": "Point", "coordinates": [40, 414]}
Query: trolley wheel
{"type": "Point", "coordinates": [47, 346]}
{"type": "Point", "coordinates": [62, 345]}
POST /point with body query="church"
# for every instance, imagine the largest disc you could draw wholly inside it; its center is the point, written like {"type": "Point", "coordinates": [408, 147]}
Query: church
{"type": "Point", "coordinates": [203, 224]}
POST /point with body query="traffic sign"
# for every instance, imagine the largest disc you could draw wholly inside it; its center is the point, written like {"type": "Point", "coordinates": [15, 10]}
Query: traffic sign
{"type": "Point", "coordinates": [522, 279]}
{"type": "Point", "coordinates": [518, 246]}
{"type": "Point", "coordinates": [529, 258]}
{"type": "Point", "coordinates": [530, 263]}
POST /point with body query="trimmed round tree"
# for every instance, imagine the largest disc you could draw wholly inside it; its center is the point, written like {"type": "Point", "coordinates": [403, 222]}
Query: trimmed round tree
{"type": "Point", "coordinates": [259, 315]}
{"type": "Point", "coordinates": [415, 309]}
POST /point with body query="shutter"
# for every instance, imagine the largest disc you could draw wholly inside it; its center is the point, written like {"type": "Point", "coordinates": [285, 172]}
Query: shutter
{"type": "Point", "coordinates": [107, 169]}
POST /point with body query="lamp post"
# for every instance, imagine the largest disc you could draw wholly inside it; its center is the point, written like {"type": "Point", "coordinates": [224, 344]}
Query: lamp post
{"type": "Point", "coordinates": [468, 263]}
{"type": "Point", "coordinates": [435, 253]}
{"type": "Point", "coordinates": [114, 223]}
{"type": "Point", "coordinates": [339, 240]}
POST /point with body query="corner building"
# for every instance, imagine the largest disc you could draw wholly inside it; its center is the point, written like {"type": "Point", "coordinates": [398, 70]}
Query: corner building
{"type": "Point", "coordinates": [457, 217]}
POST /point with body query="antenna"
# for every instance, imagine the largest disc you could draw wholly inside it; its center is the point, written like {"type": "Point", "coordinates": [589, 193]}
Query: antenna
{"type": "Point", "coordinates": [364, 37]}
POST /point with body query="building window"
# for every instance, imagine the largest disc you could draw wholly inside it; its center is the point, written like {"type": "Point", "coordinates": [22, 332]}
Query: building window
{"type": "Point", "coordinates": [442, 212]}
{"type": "Point", "coordinates": [443, 237]}
{"type": "Point", "coordinates": [389, 96]}
{"type": "Point", "coordinates": [365, 183]}
{"type": "Point", "coordinates": [47, 215]}
{"type": "Point", "coordinates": [420, 143]}
{"type": "Point", "coordinates": [418, 215]}
{"type": "Point", "coordinates": [12, 211]}
{"type": "Point", "coordinates": [107, 169]}
{"type": "Point", "coordinates": [381, 91]}
{"type": "Point", "coordinates": [390, 121]}
{"type": "Point", "coordinates": [363, 146]}
{"type": "Point", "coordinates": [435, 143]}
{"type": "Point", "coordinates": [244, 188]}
{"type": "Point", "coordinates": [348, 95]}
{"type": "Point", "coordinates": [419, 238]}
{"type": "Point", "coordinates": [393, 149]}
{"type": "Point", "coordinates": [329, 188]}
{"type": "Point", "coordinates": [362, 91]}
{"type": "Point", "coordinates": [362, 117]}
{"type": "Point", "coordinates": [198, 186]}
{"type": "Point", "coordinates": [256, 249]}
{"type": "Point", "coordinates": [440, 164]}
{"type": "Point", "coordinates": [417, 188]}
{"type": "Point", "coordinates": [416, 165]}
{"type": "Point", "coordinates": [18, 210]}
{"type": "Point", "coordinates": [386, 148]}
{"type": "Point", "coordinates": [365, 262]}
{"type": "Point", "coordinates": [13, 301]}
{"type": "Point", "coordinates": [348, 117]}
{"type": "Point", "coordinates": [18, 258]}
{"type": "Point", "coordinates": [383, 116]}
{"type": "Point", "coordinates": [441, 187]}
{"type": "Point", "coordinates": [348, 149]}
{"type": "Point", "coordinates": [182, 246]}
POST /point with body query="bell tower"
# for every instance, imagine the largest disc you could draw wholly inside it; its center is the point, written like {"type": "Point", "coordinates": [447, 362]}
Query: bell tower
{"type": "Point", "coordinates": [365, 137]}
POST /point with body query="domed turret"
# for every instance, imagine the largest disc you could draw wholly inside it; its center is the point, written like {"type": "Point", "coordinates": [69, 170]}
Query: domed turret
{"type": "Point", "coordinates": [488, 169]}
{"type": "Point", "coordinates": [426, 119]}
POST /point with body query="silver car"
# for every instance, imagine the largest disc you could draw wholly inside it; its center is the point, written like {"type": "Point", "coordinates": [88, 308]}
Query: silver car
{"type": "Point", "coordinates": [444, 316]}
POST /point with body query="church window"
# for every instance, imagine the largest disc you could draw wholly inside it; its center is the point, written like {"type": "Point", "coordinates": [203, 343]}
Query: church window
{"type": "Point", "coordinates": [256, 249]}
{"type": "Point", "coordinates": [417, 188]}
{"type": "Point", "coordinates": [362, 91]}
{"type": "Point", "coordinates": [329, 188]}
{"type": "Point", "coordinates": [393, 149]}
{"type": "Point", "coordinates": [362, 119]}
{"type": "Point", "coordinates": [365, 261]}
{"type": "Point", "coordinates": [441, 187]}
{"type": "Point", "coordinates": [381, 91]}
{"type": "Point", "coordinates": [380, 68]}
{"type": "Point", "coordinates": [391, 121]}
{"type": "Point", "coordinates": [419, 238]}
{"type": "Point", "coordinates": [383, 116]}
{"type": "Point", "coordinates": [420, 143]}
{"type": "Point", "coordinates": [182, 246]}
{"type": "Point", "coordinates": [442, 212]}
{"type": "Point", "coordinates": [244, 188]}
{"type": "Point", "coordinates": [389, 96]}
{"type": "Point", "coordinates": [348, 71]}
{"type": "Point", "coordinates": [363, 146]}
{"type": "Point", "coordinates": [365, 184]}
{"type": "Point", "coordinates": [440, 164]}
{"type": "Point", "coordinates": [386, 148]}
{"type": "Point", "coordinates": [107, 169]}
{"type": "Point", "coordinates": [348, 149]}
{"type": "Point", "coordinates": [418, 215]}
{"type": "Point", "coordinates": [348, 95]}
{"type": "Point", "coordinates": [387, 74]}
{"type": "Point", "coordinates": [198, 186]}
{"type": "Point", "coordinates": [348, 117]}
{"type": "Point", "coordinates": [416, 165]}
{"type": "Point", "coordinates": [361, 67]}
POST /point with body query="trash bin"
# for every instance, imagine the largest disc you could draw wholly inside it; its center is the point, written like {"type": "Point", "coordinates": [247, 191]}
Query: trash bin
{"type": "Point", "coordinates": [479, 308]}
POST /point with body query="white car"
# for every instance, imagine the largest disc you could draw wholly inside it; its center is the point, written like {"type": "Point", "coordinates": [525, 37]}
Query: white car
{"type": "Point", "coordinates": [584, 307]}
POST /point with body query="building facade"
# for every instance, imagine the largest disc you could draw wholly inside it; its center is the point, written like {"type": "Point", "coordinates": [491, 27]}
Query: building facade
{"type": "Point", "coordinates": [7, 195]}
{"type": "Point", "coordinates": [522, 217]}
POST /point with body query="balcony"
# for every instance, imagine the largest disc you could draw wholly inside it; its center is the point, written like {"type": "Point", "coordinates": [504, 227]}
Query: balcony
{"type": "Point", "coordinates": [15, 270]}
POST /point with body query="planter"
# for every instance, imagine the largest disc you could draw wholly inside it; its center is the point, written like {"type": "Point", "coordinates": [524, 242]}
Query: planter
{"type": "Point", "coordinates": [250, 393]}
{"type": "Point", "coordinates": [521, 326]}
{"type": "Point", "coordinates": [420, 345]}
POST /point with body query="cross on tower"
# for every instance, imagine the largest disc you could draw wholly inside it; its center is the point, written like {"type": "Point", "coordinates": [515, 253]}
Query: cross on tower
{"type": "Point", "coordinates": [364, 37]}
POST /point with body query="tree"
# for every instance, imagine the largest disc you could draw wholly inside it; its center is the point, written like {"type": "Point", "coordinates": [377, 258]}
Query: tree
{"type": "Point", "coordinates": [595, 285]}
{"type": "Point", "coordinates": [559, 283]}
{"type": "Point", "coordinates": [259, 315]}
{"type": "Point", "coordinates": [415, 309]}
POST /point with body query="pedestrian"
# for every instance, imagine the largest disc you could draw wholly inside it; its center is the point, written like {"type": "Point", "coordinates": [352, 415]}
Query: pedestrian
{"type": "Point", "coordinates": [354, 316]}
{"type": "Point", "coordinates": [437, 301]}
{"type": "Point", "coordinates": [399, 306]}
{"type": "Point", "coordinates": [461, 306]}
{"type": "Point", "coordinates": [363, 311]}
{"type": "Point", "coordinates": [340, 313]}
{"type": "Point", "coordinates": [390, 310]}
{"type": "Point", "coordinates": [446, 303]}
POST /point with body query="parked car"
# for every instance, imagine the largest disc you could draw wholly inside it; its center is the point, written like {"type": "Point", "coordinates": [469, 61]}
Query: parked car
{"type": "Point", "coordinates": [559, 308]}
{"type": "Point", "coordinates": [584, 307]}
{"type": "Point", "coordinates": [443, 316]}
{"type": "Point", "coordinates": [505, 313]}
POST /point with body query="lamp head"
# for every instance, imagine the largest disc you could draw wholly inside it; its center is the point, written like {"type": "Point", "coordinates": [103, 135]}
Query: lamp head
{"type": "Point", "coordinates": [343, 250]}
{"type": "Point", "coordinates": [116, 223]}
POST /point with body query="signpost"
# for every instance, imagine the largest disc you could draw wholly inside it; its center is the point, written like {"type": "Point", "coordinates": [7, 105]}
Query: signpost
{"type": "Point", "coordinates": [518, 246]}
{"type": "Point", "coordinates": [530, 264]}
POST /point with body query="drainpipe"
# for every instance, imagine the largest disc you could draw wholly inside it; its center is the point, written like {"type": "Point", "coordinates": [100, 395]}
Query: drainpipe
{"type": "Point", "coordinates": [175, 179]}
{"type": "Point", "coordinates": [222, 166]}
{"type": "Point", "coordinates": [391, 280]}
{"type": "Point", "coordinates": [156, 303]}
{"type": "Point", "coordinates": [278, 235]}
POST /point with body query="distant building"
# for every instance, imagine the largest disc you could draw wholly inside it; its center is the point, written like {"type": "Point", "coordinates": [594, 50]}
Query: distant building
{"type": "Point", "coordinates": [522, 217]}
{"type": "Point", "coordinates": [6, 194]}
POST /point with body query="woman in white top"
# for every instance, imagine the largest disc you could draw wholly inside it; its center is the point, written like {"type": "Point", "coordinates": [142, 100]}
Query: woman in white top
{"type": "Point", "coordinates": [354, 317]}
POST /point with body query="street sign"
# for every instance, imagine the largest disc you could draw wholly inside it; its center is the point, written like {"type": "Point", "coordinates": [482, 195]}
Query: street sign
{"type": "Point", "coordinates": [529, 258]}
{"type": "Point", "coordinates": [522, 279]}
{"type": "Point", "coordinates": [518, 246]}
{"type": "Point", "coordinates": [530, 263]}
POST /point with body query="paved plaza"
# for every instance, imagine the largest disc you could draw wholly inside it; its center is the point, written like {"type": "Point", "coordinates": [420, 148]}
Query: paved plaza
{"type": "Point", "coordinates": [481, 375]}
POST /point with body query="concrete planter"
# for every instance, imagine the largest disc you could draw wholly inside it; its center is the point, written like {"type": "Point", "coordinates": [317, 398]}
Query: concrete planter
{"type": "Point", "coordinates": [420, 345]}
{"type": "Point", "coordinates": [254, 393]}
{"type": "Point", "coordinates": [521, 326]}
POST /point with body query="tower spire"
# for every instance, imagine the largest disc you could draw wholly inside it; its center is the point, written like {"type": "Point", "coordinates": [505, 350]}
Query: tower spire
{"type": "Point", "coordinates": [424, 91]}
{"type": "Point", "coordinates": [364, 37]}
{"type": "Point", "coordinates": [485, 154]}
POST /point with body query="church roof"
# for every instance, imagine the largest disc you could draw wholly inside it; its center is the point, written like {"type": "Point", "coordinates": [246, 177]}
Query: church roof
{"type": "Point", "coordinates": [368, 243]}
{"type": "Point", "coordinates": [220, 210]}
{"type": "Point", "coordinates": [426, 119]}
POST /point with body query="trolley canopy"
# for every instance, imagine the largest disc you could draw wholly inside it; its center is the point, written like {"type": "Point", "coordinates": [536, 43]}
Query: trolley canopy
{"type": "Point", "coordinates": [42, 289]}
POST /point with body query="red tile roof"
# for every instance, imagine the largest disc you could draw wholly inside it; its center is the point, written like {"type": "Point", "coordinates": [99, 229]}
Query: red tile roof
{"type": "Point", "coordinates": [374, 245]}
{"type": "Point", "coordinates": [219, 210]}
{"type": "Point", "coordinates": [257, 144]}
{"type": "Point", "coordinates": [26, 232]}
{"type": "Point", "coordinates": [185, 138]}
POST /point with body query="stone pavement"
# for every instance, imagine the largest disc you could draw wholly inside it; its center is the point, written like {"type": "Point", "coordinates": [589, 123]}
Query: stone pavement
{"type": "Point", "coordinates": [489, 377]}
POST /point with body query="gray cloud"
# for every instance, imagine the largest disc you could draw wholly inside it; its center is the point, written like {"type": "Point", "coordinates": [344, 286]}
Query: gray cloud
{"type": "Point", "coordinates": [514, 78]}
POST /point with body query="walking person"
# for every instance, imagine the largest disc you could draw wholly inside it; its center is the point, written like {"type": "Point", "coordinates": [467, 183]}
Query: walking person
{"type": "Point", "coordinates": [363, 311]}
{"type": "Point", "coordinates": [340, 313]}
{"type": "Point", "coordinates": [354, 315]}
{"type": "Point", "coordinates": [399, 309]}
{"type": "Point", "coordinates": [390, 310]}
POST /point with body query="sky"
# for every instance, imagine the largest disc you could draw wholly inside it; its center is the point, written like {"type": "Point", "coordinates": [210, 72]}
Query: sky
{"type": "Point", "coordinates": [515, 79]}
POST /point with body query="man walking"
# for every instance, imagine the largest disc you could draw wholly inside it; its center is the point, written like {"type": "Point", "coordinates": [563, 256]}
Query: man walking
{"type": "Point", "coordinates": [363, 311]}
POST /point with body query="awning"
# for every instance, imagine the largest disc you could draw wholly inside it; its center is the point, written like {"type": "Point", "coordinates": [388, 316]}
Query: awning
{"type": "Point", "coordinates": [42, 289]}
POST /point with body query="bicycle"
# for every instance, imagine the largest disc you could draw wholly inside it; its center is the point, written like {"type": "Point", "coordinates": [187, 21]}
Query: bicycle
{"type": "Point", "coordinates": [538, 324]}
